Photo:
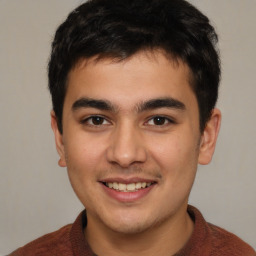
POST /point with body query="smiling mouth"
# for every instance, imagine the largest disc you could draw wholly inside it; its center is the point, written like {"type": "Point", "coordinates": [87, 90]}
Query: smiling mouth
{"type": "Point", "coordinates": [131, 187]}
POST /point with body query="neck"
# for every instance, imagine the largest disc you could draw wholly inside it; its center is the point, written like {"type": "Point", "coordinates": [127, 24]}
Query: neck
{"type": "Point", "coordinates": [163, 239]}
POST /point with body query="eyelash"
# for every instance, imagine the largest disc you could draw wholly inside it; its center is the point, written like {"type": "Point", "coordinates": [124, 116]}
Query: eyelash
{"type": "Point", "coordinates": [166, 120]}
{"type": "Point", "coordinates": [90, 118]}
{"type": "Point", "coordinates": [163, 121]}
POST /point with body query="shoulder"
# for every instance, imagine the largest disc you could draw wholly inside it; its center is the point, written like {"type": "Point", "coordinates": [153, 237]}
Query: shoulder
{"type": "Point", "coordinates": [208, 239]}
{"type": "Point", "coordinates": [69, 240]}
{"type": "Point", "coordinates": [55, 243]}
{"type": "Point", "coordinates": [227, 243]}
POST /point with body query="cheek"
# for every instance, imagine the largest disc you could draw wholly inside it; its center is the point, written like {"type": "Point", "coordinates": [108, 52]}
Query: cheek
{"type": "Point", "coordinates": [83, 158]}
{"type": "Point", "coordinates": [176, 156]}
{"type": "Point", "coordinates": [82, 147]}
{"type": "Point", "coordinates": [83, 153]}
{"type": "Point", "coordinates": [167, 151]}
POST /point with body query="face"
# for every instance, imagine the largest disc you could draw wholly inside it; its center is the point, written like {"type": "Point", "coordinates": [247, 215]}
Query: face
{"type": "Point", "coordinates": [131, 140]}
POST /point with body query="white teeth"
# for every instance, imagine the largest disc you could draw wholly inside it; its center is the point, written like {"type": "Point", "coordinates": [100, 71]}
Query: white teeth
{"type": "Point", "coordinates": [131, 187]}
{"type": "Point", "coordinates": [122, 186]}
{"type": "Point", "coordinates": [115, 185]}
{"type": "Point", "coordinates": [138, 185]}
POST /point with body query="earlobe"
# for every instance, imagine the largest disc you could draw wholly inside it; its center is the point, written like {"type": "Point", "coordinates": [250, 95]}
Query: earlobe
{"type": "Point", "coordinates": [209, 138]}
{"type": "Point", "coordinates": [58, 140]}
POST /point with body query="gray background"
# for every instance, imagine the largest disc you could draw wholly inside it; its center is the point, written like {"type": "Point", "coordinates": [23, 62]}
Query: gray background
{"type": "Point", "coordinates": [36, 197]}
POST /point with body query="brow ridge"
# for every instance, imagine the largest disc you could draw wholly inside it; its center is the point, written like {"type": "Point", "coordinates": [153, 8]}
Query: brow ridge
{"type": "Point", "coordinates": [151, 104]}
{"type": "Point", "coordinates": [93, 103]}
{"type": "Point", "coordinates": [161, 103]}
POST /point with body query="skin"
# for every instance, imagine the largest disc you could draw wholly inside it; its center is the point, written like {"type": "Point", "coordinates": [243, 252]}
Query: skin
{"type": "Point", "coordinates": [127, 134]}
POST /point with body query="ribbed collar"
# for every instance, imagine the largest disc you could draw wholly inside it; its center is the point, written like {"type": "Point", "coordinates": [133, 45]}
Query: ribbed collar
{"type": "Point", "coordinates": [77, 238]}
{"type": "Point", "coordinates": [193, 247]}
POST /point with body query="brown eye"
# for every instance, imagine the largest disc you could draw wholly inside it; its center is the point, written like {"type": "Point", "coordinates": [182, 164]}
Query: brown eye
{"type": "Point", "coordinates": [159, 120]}
{"type": "Point", "coordinates": [97, 120]}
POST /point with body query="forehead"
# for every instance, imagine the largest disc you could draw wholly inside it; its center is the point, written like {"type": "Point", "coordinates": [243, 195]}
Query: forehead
{"type": "Point", "coordinates": [141, 77]}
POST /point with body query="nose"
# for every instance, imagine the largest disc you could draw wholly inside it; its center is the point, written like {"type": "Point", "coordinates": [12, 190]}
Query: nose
{"type": "Point", "coordinates": [126, 146]}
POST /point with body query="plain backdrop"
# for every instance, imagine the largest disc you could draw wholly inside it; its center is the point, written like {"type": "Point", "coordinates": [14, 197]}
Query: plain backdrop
{"type": "Point", "coordinates": [36, 196]}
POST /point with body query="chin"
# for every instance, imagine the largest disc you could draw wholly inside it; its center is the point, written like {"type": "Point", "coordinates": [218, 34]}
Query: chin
{"type": "Point", "coordinates": [126, 228]}
{"type": "Point", "coordinates": [130, 224]}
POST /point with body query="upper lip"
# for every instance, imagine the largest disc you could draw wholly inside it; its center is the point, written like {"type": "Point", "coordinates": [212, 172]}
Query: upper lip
{"type": "Point", "coordinates": [127, 180]}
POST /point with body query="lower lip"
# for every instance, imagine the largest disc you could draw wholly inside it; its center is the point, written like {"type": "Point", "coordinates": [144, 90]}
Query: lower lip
{"type": "Point", "coordinates": [127, 196]}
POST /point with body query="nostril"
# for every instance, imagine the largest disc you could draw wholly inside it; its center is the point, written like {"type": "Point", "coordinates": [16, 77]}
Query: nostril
{"type": "Point", "coordinates": [126, 146]}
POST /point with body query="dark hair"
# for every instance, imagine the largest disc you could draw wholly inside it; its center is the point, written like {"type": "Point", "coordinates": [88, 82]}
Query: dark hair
{"type": "Point", "coordinates": [119, 29]}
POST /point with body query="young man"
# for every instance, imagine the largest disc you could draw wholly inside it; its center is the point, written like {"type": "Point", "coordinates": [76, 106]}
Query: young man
{"type": "Point", "coordinates": [134, 85]}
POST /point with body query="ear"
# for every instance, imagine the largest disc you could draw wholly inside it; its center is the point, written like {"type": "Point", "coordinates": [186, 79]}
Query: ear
{"type": "Point", "coordinates": [209, 138]}
{"type": "Point", "coordinates": [58, 140]}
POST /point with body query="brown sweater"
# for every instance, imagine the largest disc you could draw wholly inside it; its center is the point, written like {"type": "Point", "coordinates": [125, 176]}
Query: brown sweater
{"type": "Point", "coordinates": [206, 240]}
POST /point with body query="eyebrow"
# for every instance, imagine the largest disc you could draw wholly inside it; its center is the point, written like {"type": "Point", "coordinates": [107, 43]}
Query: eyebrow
{"type": "Point", "coordinates": [161, 103]}
{"type": "Point", "coordinates": [140, 107]}
{"type": "Point", "coordinates": [93, 103]}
